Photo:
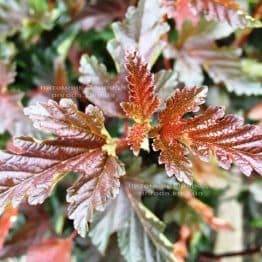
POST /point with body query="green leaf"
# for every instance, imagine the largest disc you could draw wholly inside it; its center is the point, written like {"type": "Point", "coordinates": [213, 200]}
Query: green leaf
{"type": "Point", "coordinates": [65, 40]}
{"type": "Point", "coordinates": [39, 6]}
{"type": "Point", "coordinates": [252, 68]}
{"type": "Point", "coordinates": [249, 20]}
{"type": "Point", "coordinates": [4, 139]}
{"type": "Point", "coordinates": [257, 223]}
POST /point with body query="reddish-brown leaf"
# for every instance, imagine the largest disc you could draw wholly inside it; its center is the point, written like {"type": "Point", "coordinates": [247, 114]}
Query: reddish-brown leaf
{"type": "Point", "coordinates": [170, 130]}
{"type": "Point", "coordinates": [184, 101]}
{"type": "Point", "coordinates": [6, 223]}
{"type": "Point", "coordinates": [219, 10]}
{"type": "Point", "coordinates": [31, 169]}
{"type": "Point", "coordinates": [173, 156]}
{"type": "Point", "coordinates": [51, 250]}
{"type": "Point", "coordinates": [136, 136]}
{"type": "Point", "coordinates": [94, 188]}
{"type": "Point", "coordinates": [140, 30]}
{"type": "Point", "coordinates": [69, 124]}
{"type": "Point", "coordinates": [210, 134]}
{"type": "Point", "coordinates": [181, 11]}
{"type": "Point", "coordinates": [226, 138]}
{"type": "Point", "coordinates": [142, 102]}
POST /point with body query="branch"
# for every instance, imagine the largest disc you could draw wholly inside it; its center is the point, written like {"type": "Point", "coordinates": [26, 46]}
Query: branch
{"type": "Point", "coordinates": [206, 256]}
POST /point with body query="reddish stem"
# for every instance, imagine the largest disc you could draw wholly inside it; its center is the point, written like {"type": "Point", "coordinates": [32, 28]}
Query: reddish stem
{"type": "Point", "coordinates": [73, 235]}
{"type": "Point", "coordinates": [122, 145]}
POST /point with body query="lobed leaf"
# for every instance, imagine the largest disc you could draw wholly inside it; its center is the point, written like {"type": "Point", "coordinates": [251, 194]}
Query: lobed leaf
{"type": "Point", "coordinates": [142, 239]}
{"type": "Point", "coordinates": [102, 89]}
{"type": "Point", "coordinates": [142, 102]}
{"type": "Point", "coordinates": [209, 134]}
{"type": "Point", "coordinates": [69, 124]}
{"type": "Point", "coordinates": [224, 65]}
{"type": "Point", "coordinates": [227, 138]}
{"type": "Point", "coordinates": [137, 137]}
{"type": "Point", "coordinates": [30, 178]}
{"type": "Point", "coordinates": [183, 101]}
{"type": "Point", "coordinates": [225, 11]}
{"type": "Point", "coordinates": [196, 50]}
{"type": "Point", "coordinates": [181, 11]}
{"type": "Point", "coordinates": [141, 30]}
{"type": "Point", "coordinates": [173, 156]}
{"type": "Point", "coordinates": [127, 216]}
{"type": "Point", "coordinates": [142, 25]}
{"type": "Point", "coordinates": [94, 188]}
{"type": "Point", "coordinates": [219, 10]}
{"type": "Point", "coordinates": [111, 220]}
{"type": "Point", "coordinates": [30, 170]}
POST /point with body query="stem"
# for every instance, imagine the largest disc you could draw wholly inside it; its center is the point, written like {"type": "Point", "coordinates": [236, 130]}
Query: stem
{"type": "Point", "coordinates": [122, 145]}
{"type": "Point", "coordinates": [206, 256]}
{"type": "Point", "coordinates": [73, 235]}
{"type": "Point", "coordinates": [167, 64]}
